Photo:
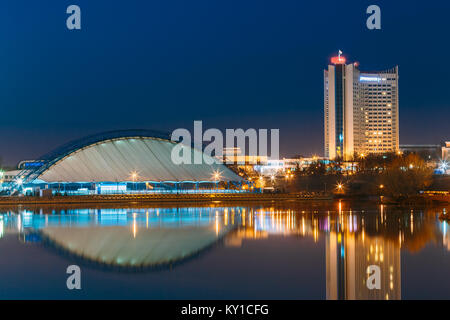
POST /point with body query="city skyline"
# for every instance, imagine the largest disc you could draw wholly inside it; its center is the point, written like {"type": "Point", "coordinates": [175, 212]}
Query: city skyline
{"type": "Point", "coordinates": [259, 64]}
{"type": "Point", "coordinates": [196, 154]}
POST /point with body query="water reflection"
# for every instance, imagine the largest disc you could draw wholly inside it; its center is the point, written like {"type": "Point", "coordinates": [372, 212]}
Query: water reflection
{"type": "Point", "coordinates": [141, 238]}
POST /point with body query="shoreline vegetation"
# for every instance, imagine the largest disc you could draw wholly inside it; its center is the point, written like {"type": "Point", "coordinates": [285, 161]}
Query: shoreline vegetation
{"type": "Point", "coordinates": [393, 178]}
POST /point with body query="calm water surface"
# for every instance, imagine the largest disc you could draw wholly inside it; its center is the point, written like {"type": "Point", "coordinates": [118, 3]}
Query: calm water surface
{"type": "Point", "coordinates": [277, 251]}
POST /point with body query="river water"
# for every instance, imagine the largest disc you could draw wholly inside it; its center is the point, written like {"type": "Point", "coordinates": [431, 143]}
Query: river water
{"type": "Point", "coordinates": [314, 250]}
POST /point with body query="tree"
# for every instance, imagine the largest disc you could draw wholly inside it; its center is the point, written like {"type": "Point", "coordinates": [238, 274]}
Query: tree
{"type": "Point", "coordinates": [316, 168]}
{"type": "Point", "coordinates": [406, 176]}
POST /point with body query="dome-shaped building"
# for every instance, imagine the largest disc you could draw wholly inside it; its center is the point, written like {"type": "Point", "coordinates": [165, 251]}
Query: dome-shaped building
{"type": "Point", "coordinates": [115, 159]}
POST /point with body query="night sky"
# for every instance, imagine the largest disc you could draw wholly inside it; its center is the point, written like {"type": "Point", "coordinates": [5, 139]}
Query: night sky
{"type": "Point", "coordinates": [162, 64]}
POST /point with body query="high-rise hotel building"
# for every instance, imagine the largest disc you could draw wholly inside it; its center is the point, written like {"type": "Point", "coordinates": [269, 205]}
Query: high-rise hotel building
{"type": "Point", "coordinates": [361, 110]}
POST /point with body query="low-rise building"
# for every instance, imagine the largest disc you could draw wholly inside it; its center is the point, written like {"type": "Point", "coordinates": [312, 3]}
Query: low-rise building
{"type": "Point", "coordinates": [446, 151]}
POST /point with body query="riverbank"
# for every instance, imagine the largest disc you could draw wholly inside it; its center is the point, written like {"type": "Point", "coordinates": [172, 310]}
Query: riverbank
{"type": "Point", "coordinates": [164, 198]}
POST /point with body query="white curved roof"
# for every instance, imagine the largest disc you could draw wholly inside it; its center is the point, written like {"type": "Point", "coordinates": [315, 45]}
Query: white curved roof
{"type": "Point", "coordinates": [116, 159]}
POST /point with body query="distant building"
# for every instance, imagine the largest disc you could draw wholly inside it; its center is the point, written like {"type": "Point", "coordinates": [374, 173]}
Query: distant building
{"type": "Point", "coordinates": [282, 166]}
{"type": "Point", "coordinates": [9, 176]}
{"type": "Point", "coordinates": [125, 161]}
{"type": "Point", "coordinates": [446, 151]}
{"type": "Point", "coordinates": [429, 152]}
{"type": "Point", "coordinates": [360, 110]}
{"type": "Point", "coordinates": [236, 156]}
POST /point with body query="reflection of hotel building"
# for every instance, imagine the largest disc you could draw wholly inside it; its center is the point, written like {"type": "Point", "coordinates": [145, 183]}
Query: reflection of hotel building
{"type": "Point", "coordinates": [360, 110]}
{"type": "Point", "coordinates": [445, 235]}
{"type": "Point", "coordinates": [348, 256]}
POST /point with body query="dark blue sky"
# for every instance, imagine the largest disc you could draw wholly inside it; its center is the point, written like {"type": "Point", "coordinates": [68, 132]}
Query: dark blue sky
{"type": "Point", "coordinates": [236, 63]}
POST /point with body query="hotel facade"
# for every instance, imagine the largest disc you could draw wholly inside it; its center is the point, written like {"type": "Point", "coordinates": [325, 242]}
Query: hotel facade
{"type": "Point", "coordinates": [360, 110]}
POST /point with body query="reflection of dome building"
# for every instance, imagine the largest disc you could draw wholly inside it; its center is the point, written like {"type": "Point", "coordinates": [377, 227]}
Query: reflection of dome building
{"type": "Point", "coordinates": [117, 247]}
{"type": "Point", "coordinates": [115, 160]}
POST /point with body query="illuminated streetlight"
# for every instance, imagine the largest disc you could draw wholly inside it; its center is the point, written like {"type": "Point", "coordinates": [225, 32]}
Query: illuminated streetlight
{"type": "Point", "coordinates": [134, 176]}
{"type": "Point", "coordinates": [381, 186]}
{"type": "Point", "coordinates": [216, 177]}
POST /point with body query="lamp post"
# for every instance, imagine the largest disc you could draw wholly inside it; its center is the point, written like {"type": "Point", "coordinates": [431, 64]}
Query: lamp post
{"type": "Point", "coordinates": [134, 177]}
{"type": "Point", "coordinates": [340, 188]}
{"type": "Point", "coordinates": [216, 177]}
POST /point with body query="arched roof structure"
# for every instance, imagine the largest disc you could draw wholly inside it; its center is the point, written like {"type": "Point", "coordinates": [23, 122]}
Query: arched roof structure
{"type": "Point", "coordinates": [129, 155]}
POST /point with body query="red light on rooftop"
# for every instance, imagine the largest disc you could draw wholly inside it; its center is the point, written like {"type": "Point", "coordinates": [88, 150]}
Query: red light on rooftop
{"type": "Point", "coordinates": [338, 60]}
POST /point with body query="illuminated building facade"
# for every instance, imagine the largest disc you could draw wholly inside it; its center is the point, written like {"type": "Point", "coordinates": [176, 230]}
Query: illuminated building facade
{"type": "Point", "coordinates": [360, 110]}
{"type": "Point", "coordinates": [446, 151]}
{"type": "Point", "coordinates": [119, 162]}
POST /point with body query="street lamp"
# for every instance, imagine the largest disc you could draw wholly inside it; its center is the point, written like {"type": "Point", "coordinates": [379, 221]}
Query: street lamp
{"type": "Point", "coordinates": [216, 177]}
{"type": "Point", "coordinates": [340, 187]}
{"type": "Point", "coordinates": [443, 166]}
{"type": "Point", "coordinates": [134, 176]}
